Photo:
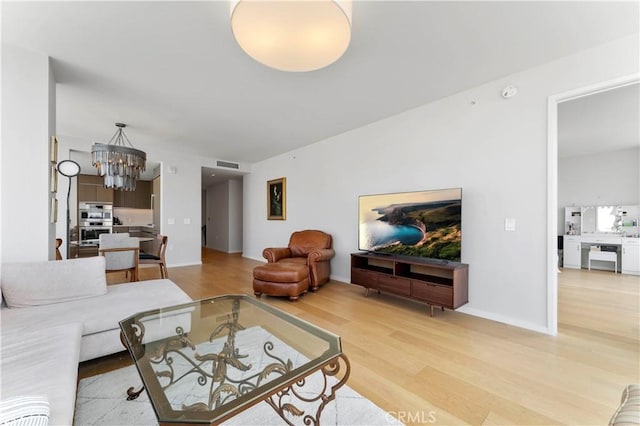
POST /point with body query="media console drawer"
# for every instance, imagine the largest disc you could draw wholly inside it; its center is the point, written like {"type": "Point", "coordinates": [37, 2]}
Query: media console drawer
{"type": "Point", "coordinates": [364, 278]}
{"type": "Point", "coordinates": [434, 293]}
{"type": "Point", "coordinates": [393, 284]}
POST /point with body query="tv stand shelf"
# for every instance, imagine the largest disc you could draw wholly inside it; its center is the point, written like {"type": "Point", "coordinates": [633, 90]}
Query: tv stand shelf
{"type": "Point", "coordinates": [435, 282]}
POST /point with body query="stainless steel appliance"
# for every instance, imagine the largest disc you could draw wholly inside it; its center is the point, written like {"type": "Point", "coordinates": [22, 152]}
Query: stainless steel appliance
{"type": "Point", "coordinates": [94, 219]}
{"type": "Point", "coordinates": [91, 234]}
{"type": "Point", "coordinates": [94, 212]}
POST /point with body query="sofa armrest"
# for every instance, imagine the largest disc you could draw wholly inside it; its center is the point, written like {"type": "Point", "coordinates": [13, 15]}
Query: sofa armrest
{"type": "Point", "coordinates": [273, 254]}
{"type": "Point", "coordinates": [627, 413]}
{"type": "Point", "coordinates": [25, 411]}
{"type": "Point", "coordinates": [320, 255]}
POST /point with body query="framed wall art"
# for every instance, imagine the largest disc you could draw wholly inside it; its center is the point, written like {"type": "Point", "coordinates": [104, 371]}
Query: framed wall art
{"type": "Point", "coordinates": [54, 178]}
{"type": "Point", "coordinates": [54, 210]}
{"type": "Point", "coordinates": [277, 199]}
{"type": "Point", "coordinates": [53, 150]}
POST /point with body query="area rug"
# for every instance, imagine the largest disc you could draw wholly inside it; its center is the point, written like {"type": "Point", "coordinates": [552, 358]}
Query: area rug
{"type": "Point", "coordinates": [102, 399]}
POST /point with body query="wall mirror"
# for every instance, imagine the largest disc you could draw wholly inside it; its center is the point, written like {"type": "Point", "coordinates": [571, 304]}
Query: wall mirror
{"type": "Point", "coordinates": [589, 220]}
{"type": "Point", "coordinates": [608, 219]}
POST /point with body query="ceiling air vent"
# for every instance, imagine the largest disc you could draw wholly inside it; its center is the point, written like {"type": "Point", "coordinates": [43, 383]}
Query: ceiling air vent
{"type": "Point", "coordinates": [227, 164]}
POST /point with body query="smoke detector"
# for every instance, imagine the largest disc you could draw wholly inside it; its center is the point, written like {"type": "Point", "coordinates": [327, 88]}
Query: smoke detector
{"type": "Point", "coordinates": [509, 92]}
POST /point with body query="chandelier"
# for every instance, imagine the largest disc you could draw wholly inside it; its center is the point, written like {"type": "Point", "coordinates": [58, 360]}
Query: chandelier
{"type": "Point", "coordinates": [292, 35]}
{"type": "Point", "coordinates": [119, 164]}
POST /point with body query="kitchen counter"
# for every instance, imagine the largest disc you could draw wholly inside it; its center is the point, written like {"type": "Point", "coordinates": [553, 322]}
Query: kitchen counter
{"type": "Point", "coordinates": [96, 244]}
{"type": "Point", "coordinates": [136, 230]}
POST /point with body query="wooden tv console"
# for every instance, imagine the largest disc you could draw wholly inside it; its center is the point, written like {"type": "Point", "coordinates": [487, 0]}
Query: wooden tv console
{"type": "Point", "coordinates": [436, 282]}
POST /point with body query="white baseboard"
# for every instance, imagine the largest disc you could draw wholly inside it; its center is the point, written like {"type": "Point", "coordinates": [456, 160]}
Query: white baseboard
{"type": "Point", "coordinates": [503, 319]}
{"type": "Point", "coordinates": [177, 265]}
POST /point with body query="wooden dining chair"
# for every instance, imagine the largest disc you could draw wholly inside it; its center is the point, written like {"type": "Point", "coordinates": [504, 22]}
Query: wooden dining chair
{"type": "Point", "coordinates": [121, 253]}
{"type": "Point", "coordinates": [58, 244]}
{"type": "Point", "coordinates": [156, 257]}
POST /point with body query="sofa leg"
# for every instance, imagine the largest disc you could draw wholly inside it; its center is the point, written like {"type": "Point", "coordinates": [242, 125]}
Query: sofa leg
{"type": "Point", "coordinates": [293, 298]}
{"type": "Point", "coordinates": [314, 289]}
{"type": "Point", "coordinates": [257, 293]}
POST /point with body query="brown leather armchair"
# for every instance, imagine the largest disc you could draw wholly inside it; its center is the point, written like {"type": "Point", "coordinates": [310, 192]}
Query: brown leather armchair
{"type": "Point", "coordinates": [311, 248]}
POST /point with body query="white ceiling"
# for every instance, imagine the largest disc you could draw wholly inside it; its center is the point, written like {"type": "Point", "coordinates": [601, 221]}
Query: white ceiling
{"type": "Point", "coordinates": [174, 74]}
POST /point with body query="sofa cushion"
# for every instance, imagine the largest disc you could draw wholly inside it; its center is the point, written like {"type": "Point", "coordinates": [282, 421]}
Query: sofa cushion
{"type": "Point", "coordinates": [628, 413]}
{"type": "Point", "coordinates": [44, 283]}
{"type": "Point", "coordinates": [100, 315]}
{"type": "Point", "coordinates": [42, 362]}
{"type": "Point", "coordinates": [32, 410]}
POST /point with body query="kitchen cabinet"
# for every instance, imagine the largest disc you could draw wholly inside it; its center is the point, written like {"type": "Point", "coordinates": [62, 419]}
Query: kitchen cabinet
{"type": "Point", "coordinates": [138, 199]}
{"type": "Point", "coordinates": [91, 188]}
{"type": "Point", "coordinates": [572, 252]}
{"type": "Point", "coordinates": [76, 251]}
{"type": "Point", "coordinates": [630, 259]}
{"type": "Point", "coordinates": [143, 194]}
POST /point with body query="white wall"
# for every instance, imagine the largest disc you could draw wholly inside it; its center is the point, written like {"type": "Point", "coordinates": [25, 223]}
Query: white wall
{"type": "Point", "coordinates": [609, 178]}
{"type": "Point", "coordinates": [224, 216]}
{"type": "Point", "coordinates": [27, 125]}
{"type": "Point", "coordinates": [235, 216]}
{"type": "Point", "coordinates": [494, 149]}
{"type": "Point", "coordinates": [218, 217]}
{"type": "Point", "coordinates": [51, 81]}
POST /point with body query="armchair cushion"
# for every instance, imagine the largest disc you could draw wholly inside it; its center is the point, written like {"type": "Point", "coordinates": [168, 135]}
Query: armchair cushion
{"type": "Point", "coordinates": [302, 243]}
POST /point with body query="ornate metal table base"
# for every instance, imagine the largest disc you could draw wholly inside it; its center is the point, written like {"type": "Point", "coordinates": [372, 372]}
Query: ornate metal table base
{"type": "Point", "coordinates": [187, 374]}
{"type": "Point", "coordinates": [131, 392]}
{"type": "Point", "coordinates": [326, 394]}
{"type": "Point", "coordinates": [134, 394]}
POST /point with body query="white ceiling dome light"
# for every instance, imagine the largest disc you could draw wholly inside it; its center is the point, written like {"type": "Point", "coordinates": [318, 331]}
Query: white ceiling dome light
{"type": "Point", "coordinates": [292, 35]}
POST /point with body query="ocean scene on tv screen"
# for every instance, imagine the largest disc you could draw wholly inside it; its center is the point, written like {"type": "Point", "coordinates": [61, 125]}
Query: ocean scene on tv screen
{"type": "Point", "coordinates": [426, 224]}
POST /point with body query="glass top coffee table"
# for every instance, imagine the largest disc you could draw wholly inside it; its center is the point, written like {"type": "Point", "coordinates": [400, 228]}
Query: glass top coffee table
{"type": "Point", "coordinates": [206, 361]}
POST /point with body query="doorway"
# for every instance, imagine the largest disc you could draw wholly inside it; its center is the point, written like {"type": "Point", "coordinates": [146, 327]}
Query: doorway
{"type": "Point", "coordinates": [552, 184]}
{"type": "Point", "coordinates": [222, 221]}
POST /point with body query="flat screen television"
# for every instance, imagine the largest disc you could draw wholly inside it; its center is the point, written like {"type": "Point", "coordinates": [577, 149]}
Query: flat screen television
{"type": "Point", "coordinates": [423, 223]}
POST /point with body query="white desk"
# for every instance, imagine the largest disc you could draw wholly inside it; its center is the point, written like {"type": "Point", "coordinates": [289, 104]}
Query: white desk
{"type": "Point", "coordinates": [576, 251]}
{"type": "Point", "coordinates": [607, 256]}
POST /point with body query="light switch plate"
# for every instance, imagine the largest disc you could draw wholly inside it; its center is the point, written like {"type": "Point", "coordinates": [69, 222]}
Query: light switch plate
{"type": "Point", "coordinates": [187, 221]}
{"type": "Point", "coordinates": [509, 224]}
{"type": "Point", "coordinates": [171, 221]}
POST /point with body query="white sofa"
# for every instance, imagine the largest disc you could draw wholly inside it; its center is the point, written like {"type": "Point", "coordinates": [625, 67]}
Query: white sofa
{"type": "Point", "coordinates": [56, 314]}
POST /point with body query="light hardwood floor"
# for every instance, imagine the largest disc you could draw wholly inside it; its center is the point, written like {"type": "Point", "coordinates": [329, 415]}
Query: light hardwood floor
{"type": "Point", "coordinates": [456, 368]}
